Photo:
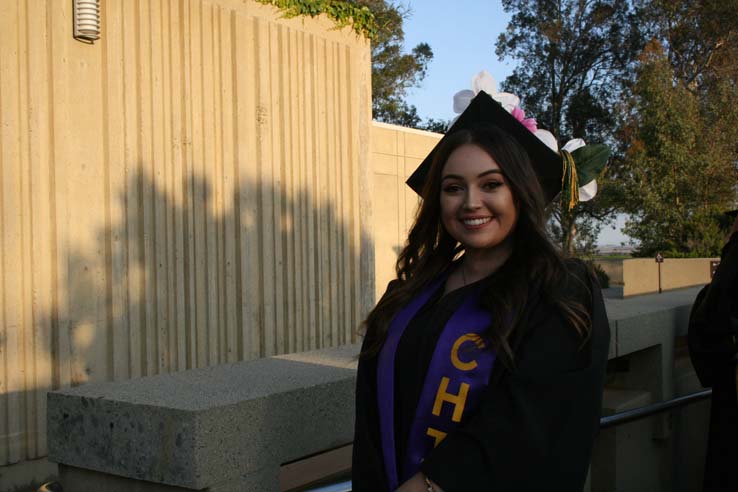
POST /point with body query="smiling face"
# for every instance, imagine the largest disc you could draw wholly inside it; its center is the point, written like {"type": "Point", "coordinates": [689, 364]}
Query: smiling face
{"type": "Point", "coordinates": [477, 205]}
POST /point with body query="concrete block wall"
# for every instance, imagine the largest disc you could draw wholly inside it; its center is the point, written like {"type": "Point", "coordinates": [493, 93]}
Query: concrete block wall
{"type": "Point", "coordinates": [689, 431]}
{"type": "Point", "coordinates": [685, 272]}
{"type": "Point", "coordinates": [625, 458]}
{"type": "Point", "coordinates": [641, 275]}
{"type": "Point", "coordinates": [395, 153]}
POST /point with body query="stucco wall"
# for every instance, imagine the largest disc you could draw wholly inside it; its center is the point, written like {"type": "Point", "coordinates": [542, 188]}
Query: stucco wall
{"type": "Point", "coordinates": [190, 190]}
{"type": "Point", "coordinates": [686, 272]}
{"type": "Point", "coordinates": [641, 275]}
{"type": "Point", "coordinates": [395, 153]}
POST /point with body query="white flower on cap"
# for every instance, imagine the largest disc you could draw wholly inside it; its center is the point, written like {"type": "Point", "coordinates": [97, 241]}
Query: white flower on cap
{"type": "Point", "coordinates": [483, 81]}
{"type": "Point", "coordinates": [589, 190]}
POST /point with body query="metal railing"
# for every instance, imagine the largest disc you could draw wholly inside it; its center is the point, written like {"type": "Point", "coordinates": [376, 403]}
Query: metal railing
{"type": "Point", "coordinates": [653, 409]}
{"type": "Point", "coordinates": [605, 422]}
{"type": "Point", "coordinates": [336, 487]}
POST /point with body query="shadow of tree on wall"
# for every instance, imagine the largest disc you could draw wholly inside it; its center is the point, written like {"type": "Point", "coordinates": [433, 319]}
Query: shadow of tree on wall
{"type": "Point", "coordinates": [211, 278]}
{"type": "Point", "coordinates": [188, 275]}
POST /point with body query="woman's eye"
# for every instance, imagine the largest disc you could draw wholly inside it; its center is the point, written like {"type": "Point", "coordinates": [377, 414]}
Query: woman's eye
{"type": "Point", "coordinates": [491, 185]}
{"type": "Point", "coordinates": [452, 188]}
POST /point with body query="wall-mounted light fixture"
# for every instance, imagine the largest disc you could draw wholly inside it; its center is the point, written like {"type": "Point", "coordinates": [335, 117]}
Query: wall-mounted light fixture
{"type": "Point", "coordinates": [86, 20]}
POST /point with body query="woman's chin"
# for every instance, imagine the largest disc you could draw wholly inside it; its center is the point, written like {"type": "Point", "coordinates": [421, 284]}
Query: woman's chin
{"type": "Point", "coordinates": [489, 243]}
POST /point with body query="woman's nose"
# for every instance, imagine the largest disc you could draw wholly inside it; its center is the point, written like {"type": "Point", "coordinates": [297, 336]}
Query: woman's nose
{"type": "Point", "coordinates": [472, 200]}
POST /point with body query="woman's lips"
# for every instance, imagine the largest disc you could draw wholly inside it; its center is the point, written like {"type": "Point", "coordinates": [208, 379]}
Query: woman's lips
{"type": "Point", "coordinates": [476, 223]}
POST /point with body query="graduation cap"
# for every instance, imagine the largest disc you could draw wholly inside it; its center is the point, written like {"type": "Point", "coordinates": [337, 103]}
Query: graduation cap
{"type": "Point", "coordinates": [556, 172]}
{"type": "Point", "coordinates": [731, 213]}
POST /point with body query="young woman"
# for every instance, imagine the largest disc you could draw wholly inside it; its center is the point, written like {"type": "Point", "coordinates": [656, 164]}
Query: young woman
{"type": "Point", "coordinates": [483, 364]}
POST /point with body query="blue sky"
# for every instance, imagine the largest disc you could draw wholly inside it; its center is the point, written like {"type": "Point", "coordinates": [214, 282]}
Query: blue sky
{"type": "Point", "coordinates": [463, 42]}
{"type": "Point", "coordinates": [462, 35]}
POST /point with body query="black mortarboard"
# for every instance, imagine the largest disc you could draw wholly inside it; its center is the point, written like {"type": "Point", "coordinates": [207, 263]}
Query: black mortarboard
{"type": "Point", "coordinates": [732, 213]}
{"type": "Point", "coordinates": [483, 110]}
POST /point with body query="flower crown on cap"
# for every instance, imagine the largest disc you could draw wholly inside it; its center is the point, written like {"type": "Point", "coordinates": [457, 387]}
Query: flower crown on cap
{"type": "Point", "coordinates": [582, 163]}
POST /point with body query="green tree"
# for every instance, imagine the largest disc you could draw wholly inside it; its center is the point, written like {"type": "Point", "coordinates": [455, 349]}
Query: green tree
{"type": "Point", "coordinates": [574, 58]}
{"type": "Point", "coordinates": [700, 38]}
{"type": "Point", "coordinates": [680, 160]}
{"type": "Point", "coordinates": [435, 125]}
{"type": "Point", "coordinates": [394, 72]}
{"type": "Point", "coordinates": [679, 134]}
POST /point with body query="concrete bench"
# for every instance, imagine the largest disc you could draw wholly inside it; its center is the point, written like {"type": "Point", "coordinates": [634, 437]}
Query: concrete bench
{"type": "Point", "coordinates": [223, 429]}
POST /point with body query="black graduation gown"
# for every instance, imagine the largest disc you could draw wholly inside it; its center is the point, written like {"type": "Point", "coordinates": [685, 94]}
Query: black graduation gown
{"type": "Point", "coordinates": [535, 425]}
{"type": "Point", "coordinates": [713, 328]}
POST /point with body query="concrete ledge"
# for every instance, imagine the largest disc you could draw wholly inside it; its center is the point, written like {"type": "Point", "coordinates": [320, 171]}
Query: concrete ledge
{"type": "Point", "coordinates": [640, 322]}
{"type": "Point", "coordinates": [206, 428]}
{"type": "Point", "coordinates": [230, 427]}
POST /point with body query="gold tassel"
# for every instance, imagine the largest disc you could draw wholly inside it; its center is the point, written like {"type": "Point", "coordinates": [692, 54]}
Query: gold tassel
{"type": "Point", "coordinates": [570, 172]}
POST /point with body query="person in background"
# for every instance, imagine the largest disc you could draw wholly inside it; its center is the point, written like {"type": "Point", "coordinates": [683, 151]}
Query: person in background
{"type": "Point", "coordinates": [713, 328]}
{"type": "Point", "coordinates": [483, 364]}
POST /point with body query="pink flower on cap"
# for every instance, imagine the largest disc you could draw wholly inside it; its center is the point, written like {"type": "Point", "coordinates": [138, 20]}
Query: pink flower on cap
{"type": "Point", "coordinates": [529, 123]}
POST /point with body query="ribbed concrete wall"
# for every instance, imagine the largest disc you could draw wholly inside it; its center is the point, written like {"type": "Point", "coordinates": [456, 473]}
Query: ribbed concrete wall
{"type": "Point", "coordinates": [189, 190]}
{"type": "Point", "coordinates": [396, 152]}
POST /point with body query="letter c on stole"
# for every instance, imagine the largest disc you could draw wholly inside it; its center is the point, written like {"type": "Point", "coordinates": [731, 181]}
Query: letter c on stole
{"type": "Point", "coordinates": [458, 363]}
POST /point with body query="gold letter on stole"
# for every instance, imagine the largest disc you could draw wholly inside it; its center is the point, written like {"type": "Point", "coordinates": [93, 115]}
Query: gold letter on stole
{"type": "Point", "coordinates": [458, 400]}
{"type": "Point", "coordinates": [458, 363]}
{"type": "Point", "coordinates": [437, 435]}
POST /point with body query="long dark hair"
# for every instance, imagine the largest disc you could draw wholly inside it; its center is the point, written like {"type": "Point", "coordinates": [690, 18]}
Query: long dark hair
{"type": "Point", "coordinates": [430, 249]}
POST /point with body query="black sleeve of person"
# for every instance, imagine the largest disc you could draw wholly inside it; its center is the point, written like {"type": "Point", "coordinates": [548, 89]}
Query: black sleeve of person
{"type": "Point", "coordinates": [367, 467]}
{"type": "Point", "coordinates": [713, 322]}
{"type": "Point", "coordinates": [535, 428]}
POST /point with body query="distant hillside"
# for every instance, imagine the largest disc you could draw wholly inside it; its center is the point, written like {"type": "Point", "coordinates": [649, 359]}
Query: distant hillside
{"type": "Point", "coordinates": [612, 249]}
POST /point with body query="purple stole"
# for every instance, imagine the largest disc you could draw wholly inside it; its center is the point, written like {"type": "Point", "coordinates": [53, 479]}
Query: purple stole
{"type": "Point", "coordinates": [458, 373]}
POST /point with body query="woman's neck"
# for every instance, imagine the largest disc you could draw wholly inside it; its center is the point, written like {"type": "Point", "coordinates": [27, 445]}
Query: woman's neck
{"type": "Point", "coordinates": [480, 263]}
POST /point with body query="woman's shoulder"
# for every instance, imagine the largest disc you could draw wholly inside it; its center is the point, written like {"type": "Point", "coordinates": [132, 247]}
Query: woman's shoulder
{"type": "Point", "coordinates": [579, 282]}
{"type": "Point", "coordinates": [552, 338]}
{"type": "Point", "coordinates": [579, 268]}
{"type": "Point", "coordinates": [391, 286]}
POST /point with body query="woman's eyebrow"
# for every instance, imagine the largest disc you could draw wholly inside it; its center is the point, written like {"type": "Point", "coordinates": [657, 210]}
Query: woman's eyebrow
{"type": "Point", "coordinates": [491, 171]}
{"type": "Point", "coordinates": [456, 176]}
